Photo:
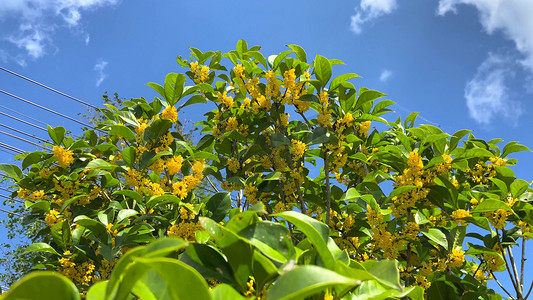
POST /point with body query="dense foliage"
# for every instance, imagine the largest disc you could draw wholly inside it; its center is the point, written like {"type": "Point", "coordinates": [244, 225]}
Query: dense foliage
{"type": "Point", "coordinates": [314, 194]}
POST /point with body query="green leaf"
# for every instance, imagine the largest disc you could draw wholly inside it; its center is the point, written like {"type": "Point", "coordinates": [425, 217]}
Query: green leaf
{"type": "Point", "coordinates": [263, 268]}
{"type": "Point", "coordinates": [174, 84]}
{"type": "Point", "coordinates": [123, 131]}
{"type": "Point", "coordinates": [33, 158]}
{"type": "Point", "coordinates": [341, 78]}
{"type": "Point", "coordinates": [317, 233]}
{"type": "Point", "coordinates": [490, 205]}
{"type": "Point", "coordinates": [518, 187]}
{"type": "Point", "coordinates": [367, 96]}
{"type": "Point", "coordinates": [272, 239]}
{"type": "Point", "coordinates": [279, 139]}
{"type": "Point", "coordinates": [512, 147]}
{"type": "Point", "coordinates": [209, 262]}
{"type": "Point", "coordinates": [386, 271]}
{"type": "Point", "coordinates": [56, 134]}
{"type": "Point", "coordinates": [12, 171]}
{"type": "Point", "coordinates": [100, 164]}
{"type": "Point", "coordinates": [129, 156]}
{"type": "Point", "coordinates": [193, 100]}
{"type": "Point", "coordinates": [41, 247]}
{"type": "Point", "coordinates": [158, 88]}
{"type": "Point", "coordinates": [242, 47]}
{"type": "Point", "coordinates": [436, 235]}
{"type": "Point", "coordinates": [126, 213]}
{"type": "Point", "coordinates": [305, 281]}
{"type": "Point", "coordinates": [322, 70]}
{"type": "Point", "coordinates": [43, 285]}
{"type": "Point", "coordinates": [128, 117]}
{"type": "Point", "coordinates": [224, 292]}
{"type": "Point", "coordinates": [130, 194]}
{"type": "Point", "coordinates": [320, 135]}
{"type": "Point", "coordinates": [275, 60]}
{"type": "Point", "coordinates": [157, 129]}
{"type": "Point", "coordinates": [219, 204]}
{"type": "Point", "coordinates": [300, 52]}
{"type": "Point", "coordinates": [97, 291]}
{"type": "Point", "coordinates": [456, 137]}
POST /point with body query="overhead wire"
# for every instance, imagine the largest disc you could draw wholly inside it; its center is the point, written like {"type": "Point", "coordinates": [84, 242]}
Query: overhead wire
{"type": "Point", "coordinates": [21, 114]}
{"type": "Point", "coordinates": [48, 110]}
{"type": "Point", "coordinates": [24, 133]}
{"type": "Point", "coordinates": [9, 198]}
{"type": "Point", "coordinates": [9, 147]}
{"type": "Point", "coordinates": [23, 139]}
{"type": "Point", "coordinates": [49, 88]}
{"type": "Point", "coordinates": [22, 121]}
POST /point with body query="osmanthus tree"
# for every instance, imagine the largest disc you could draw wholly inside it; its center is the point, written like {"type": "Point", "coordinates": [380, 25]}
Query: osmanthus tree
{"type": "Point", "coordinates": [310, 200]}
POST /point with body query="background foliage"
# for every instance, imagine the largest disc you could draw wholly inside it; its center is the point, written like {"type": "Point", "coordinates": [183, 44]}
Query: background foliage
{"type": "Point", "coordinates": [315, 194]}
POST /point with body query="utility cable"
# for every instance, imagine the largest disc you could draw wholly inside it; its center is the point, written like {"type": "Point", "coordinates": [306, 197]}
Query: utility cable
{"type": "Point", "coordinates": [24, 133]}
{"type": "Point", "coordinates": [10, 212]}
{"type": "Point", "coordinates": [16, 200]}
{"type": "Point", "coordinates": [23, 139]}
{"type": "Point", "coordinates": [9, 147]}
{"type": "Point", "coordinates": [48, 110]}
{"type": "Point", "coordinates": [25, 122]}
{"type": "Point", "coordinates": [49, 88]}
{"type": "Point", "coordinates": [23, 115]}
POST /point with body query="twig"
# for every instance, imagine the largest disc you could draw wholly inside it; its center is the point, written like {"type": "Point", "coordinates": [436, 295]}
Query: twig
{"type": "Point", "coordinates": [328, 188]}
{"type": "Point", "coordinates": [530, 288]}
{"type": "Point", "coordinates": [505, 259]}
{"type": "Point", "coordinates": [212, 184]}
{"type": "Point", "coordinates": [501, 286]}
{"type": "Point", "coordinates": [519, 290]}
{"type": "Point", "coordinates": [523, 260]}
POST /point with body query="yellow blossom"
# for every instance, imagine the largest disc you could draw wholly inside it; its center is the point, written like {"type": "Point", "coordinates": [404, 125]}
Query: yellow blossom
{"type": "Point", "coordinates": [64, 156]}
{"type": "Point", "coordinates": [170, 113]}
{"type": "Point", "coordinates": [173, 164]}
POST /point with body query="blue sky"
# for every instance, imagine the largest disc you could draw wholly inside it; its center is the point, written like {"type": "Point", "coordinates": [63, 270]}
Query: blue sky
{"type": "Point", "coordinates": [463, 64]}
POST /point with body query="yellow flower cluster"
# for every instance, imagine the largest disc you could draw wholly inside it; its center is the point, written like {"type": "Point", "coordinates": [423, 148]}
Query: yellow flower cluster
{"type": "Point", "coordinates": [293, 91]}
{"type": "Point", "coordinates": [346, 121]}
{"type": "Point", "coordinates": [52, 218]}
{"type": "Point", "coordinates": [250, 192]}
{"type": "Point", "coordinates": [64, 156]}
{"type": "Point", "coordinates": [324, 115]}
{"type": "Point", "coordinates": [273, 86]}
{"type": "Point", "coordinates": [45, 172]}
{"type": "Point", "coordinates": [413, 175]}
{"type": "Point", "coordinates": [223, 98]}
{"type": "Point", "coordinates": [232, 124]}
{"type": "Point", "coordinates": [187, 212]}
{"type": "Point", "coordinates": [170, 113]}
{"type": "Point", "coordinates": [184, 230]}
{"type": "Point", "coordinates": [364, 127]}
{"type": "Point", "coordinates": [133, 177]}
{"type": "Point", "coordinates": [93, 194]}
{"type": "Point", "coordinates": [173, 164]}
{"type": "Point", "coordinates": [189, 182]}
{"type": "Point", "coordinates": [239, 71]}
{"type": "Point", "coordinates": [200, 74]}
{"type": "Point", "coordinates": [456, 258]}
{"type": "Point", "coordinates": [298, 149]}
{"type": "Point", "coordinates": [498, 218]}
{"type": "Point", "coordinates": [444, 167]}
{"type": "Point", "coordinates": [233, 165]}
{"type": "Point", "coordinates": [105, 268]}
{"type": "Point", "coordinates": [459, 215]}
{"type": "Point", "coordinates": [81, 274]}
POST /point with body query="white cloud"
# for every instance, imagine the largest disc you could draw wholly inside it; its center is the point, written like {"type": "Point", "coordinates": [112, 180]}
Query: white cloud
{"type": "Point", "coordinates": [87, 39]}
{"type": "Point", "coordinates": [369, 10]}
{"type": "Point", "coordinates": [512, 17]}
{"type": "Point", "coordinates": [487, 95]}
{"type": "Point", "coordinates": [385, 75]}
{"type": "Point", "coordinates": [100, 68]}
{"type": "Point", "coordinates": [40, 19]}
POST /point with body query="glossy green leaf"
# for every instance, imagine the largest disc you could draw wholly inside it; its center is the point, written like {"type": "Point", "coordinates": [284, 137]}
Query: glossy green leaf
{"type": "Point", "coordinates": [129, 156]}
{"type": "Point", "coordinates": [56, 134]}
{"type": "Point", "coordinates": [305, 281]}
{"type": "Point", "coordinates": [43, 285]}
{"type": "Point", "coordinates": [224, 291]}
{"type": "Point", "coordinates": [12, 171]}
{"type": "Point", "coordinates": [219, 204]}
{"type": "Point", "coordinates": [436, 235]}
{"type": "Point", "coordinates": [317, 232]}
{"type": "Point", "coordinates": [41, 247]}
{"type": "Point", "coordinates": [124, 132]}
{"type": "Point", "coordinates": [322, 70]}
{"type": "Point", "coordinates": [174, 84]}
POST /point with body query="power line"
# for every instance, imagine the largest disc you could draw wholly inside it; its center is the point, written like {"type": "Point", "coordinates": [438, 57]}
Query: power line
{"type": "Point", "coordinates": [9, 147]}
{"type": "Point", "coordinates": [24, 133]}
{"type": "Point", "coordinates": [49, 88]}
{"type": "Point", "coordinates": [9, 198]}
{"type": "Point", "coordinates": [25, 122]}
{"type": "Point", "coordinates": [48, 110]}
{"type": "Point", "coordinates": [23, 115]}
{"type": "Point", "coordinates": [10, 212]}
{"type": "Point", "coordinates": [23, 139]}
